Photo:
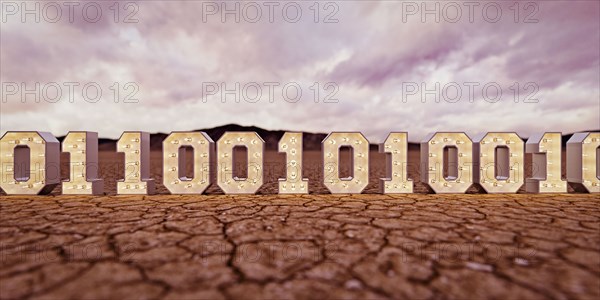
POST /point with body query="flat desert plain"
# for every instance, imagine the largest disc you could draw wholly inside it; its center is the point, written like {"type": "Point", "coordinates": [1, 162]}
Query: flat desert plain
{"type": "Point", "coordinates": [323, 246]}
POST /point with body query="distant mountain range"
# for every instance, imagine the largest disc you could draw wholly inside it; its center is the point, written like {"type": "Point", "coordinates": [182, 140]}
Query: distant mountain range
{"type": "Point", "coordinates": [311, 141]}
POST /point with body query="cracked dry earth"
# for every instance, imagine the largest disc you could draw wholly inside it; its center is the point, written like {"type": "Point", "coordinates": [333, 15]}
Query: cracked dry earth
{"type": "Point", "coordinates": [313, 246]}
{"type": "Point", "coordinates": [317, 246]}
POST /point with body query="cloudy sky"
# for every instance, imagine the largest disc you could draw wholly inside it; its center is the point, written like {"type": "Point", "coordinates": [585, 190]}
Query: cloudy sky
{"type": "Point", "coordinates": [370, 66]}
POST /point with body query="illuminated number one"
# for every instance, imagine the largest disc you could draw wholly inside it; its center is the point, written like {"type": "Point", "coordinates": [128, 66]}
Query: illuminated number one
{"type": "Point", "coordinates": [291, 145]}
{"type": "Point", "coordinates": [360, 162]}
{"type": "Point", "coordinates": [30, 162]}
{"type": "Point", "coordinates": [546, 163]}
{"type": "Point", "coordinates": [82, 147]}
{"type": "Point", "coordinates": [174, 160]}
{"type": "Point", "coordinates": [447, 162]}
{"type": "Point", "coordinates": [500, 160]}
{"type": "Point", "coordinates": [255, 146]}
{"type": "Point", "coordinates": [396, 147]}
{"type": "Point", "coordinates": [583, 160]}
{"type": "Point", "coordinates": [136, 146]}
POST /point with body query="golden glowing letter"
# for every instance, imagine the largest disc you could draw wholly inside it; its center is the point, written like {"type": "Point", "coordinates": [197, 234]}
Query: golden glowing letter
{"type": "Point", "coordinates": [30, 162]}
{"type": "Point", "coordinates": [546, 154]}
{"type": "Point", "coordinates": [136, 146]}
{"type": "Point", "coordinates": [447, 162]}
{"type": "Point", "coordinates": [356, 183]}
{"type": "Point", "coordinates": [82, 147]}
{"type": "Point", "coordinates": [255, 146]}
{"type": "Point", "coordinates": [499, 157]}
{"type": "Point", "coordinates": [174, 162]}
{"type": "Point", "coordinates": [583, 160]}
{"type": "Point", "coordinates": [396, 162]}
{"type": "Point", "coordinates": [291, 145]}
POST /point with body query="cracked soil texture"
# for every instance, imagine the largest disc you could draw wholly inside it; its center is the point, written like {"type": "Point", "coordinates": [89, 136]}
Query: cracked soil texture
{"type": "Point", "coordinates": [316, 246]}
